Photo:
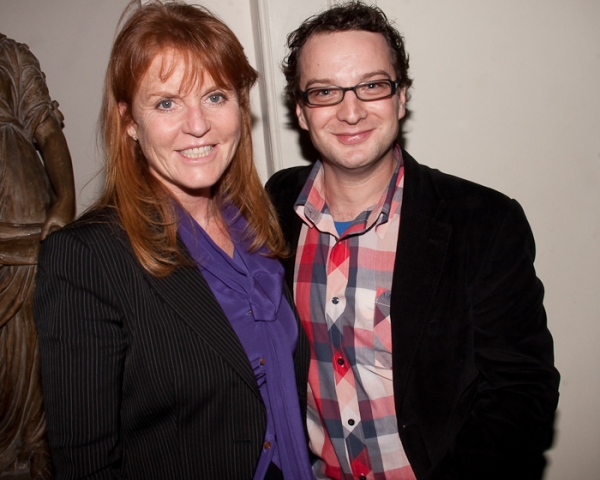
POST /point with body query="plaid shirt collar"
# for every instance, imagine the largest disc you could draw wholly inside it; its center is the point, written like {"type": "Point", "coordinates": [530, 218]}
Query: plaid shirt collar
{"type": "Point", "coordinates": [313, 210]}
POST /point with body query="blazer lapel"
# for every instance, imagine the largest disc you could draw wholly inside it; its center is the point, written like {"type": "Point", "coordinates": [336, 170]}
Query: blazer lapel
{"type": "Point", "coordinates": [186, 291]}
{"type": "Point", "coordinates": [422, 245]}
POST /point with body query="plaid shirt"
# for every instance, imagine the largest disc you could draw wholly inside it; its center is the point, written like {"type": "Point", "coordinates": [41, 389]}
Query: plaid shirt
{"type": "Point", "coordinates": [342, 289]}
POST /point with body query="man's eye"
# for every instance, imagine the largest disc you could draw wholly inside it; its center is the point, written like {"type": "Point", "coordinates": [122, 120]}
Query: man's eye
{"type": "Point", "coordinates": [374, 89]}
{"type": "Point", "coordinates": [322, 92]}
{"type": "Point", "coordinates": [374, 86]}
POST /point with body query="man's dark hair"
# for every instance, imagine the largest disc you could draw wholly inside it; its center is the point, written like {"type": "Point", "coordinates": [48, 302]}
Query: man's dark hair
{"type": "Point", "coordinates": [345, 17]}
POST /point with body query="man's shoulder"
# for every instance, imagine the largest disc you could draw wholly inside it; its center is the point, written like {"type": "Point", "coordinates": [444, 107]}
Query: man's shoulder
{"type": "Point", "coordinates": [285, 186]}
{"type": "Point", "coordinates": [289, 178]}
{"type": "Point", "coordinates": [455, 192]}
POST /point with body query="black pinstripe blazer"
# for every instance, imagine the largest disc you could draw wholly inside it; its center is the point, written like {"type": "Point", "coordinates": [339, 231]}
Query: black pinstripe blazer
{"type": "Point", "coordinates": [144, 377]}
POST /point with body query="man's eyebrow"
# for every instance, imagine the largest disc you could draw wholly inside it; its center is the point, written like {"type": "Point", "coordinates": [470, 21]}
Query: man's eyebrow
{"type": "Point", "coordinates": [329, 83]}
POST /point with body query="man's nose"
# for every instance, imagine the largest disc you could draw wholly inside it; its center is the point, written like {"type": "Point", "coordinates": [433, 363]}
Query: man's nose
{"type": "Point", "coordinates": [351, 109]}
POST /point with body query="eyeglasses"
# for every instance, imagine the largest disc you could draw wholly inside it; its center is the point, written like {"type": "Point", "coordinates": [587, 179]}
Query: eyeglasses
{"type": "Point", "coordinates": [365, 91]}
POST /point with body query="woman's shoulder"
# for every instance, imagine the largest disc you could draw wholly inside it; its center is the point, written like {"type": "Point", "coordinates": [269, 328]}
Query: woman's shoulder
{"type": "Point", "coordinates": [96, 237]}
{"type": "Point", "coordinates": [98, 226]}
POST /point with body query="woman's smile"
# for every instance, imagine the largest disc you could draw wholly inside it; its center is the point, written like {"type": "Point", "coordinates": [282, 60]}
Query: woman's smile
{"type": "Point", "coordinates": [189, 134]}
{"type": "Point", "coordinates": [197, 152]}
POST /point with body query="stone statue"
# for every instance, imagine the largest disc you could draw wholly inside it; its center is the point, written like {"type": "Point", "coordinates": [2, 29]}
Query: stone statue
{"type": "Point", "coordinates": [37, 196]}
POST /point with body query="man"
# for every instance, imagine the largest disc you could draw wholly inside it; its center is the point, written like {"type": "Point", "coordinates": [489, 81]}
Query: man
{"type": "Point", "coordinates": [431, 358]}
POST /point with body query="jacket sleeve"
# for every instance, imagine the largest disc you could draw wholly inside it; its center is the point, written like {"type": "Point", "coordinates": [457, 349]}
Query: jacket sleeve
{"type": "Point", "coordinates": [82, 349]}
{"type": "Point", "coordinates": [509, 416]}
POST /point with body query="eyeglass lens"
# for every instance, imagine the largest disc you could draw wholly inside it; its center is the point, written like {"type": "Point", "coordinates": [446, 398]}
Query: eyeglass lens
{"type": "Point", "coordinates": [367, 91]}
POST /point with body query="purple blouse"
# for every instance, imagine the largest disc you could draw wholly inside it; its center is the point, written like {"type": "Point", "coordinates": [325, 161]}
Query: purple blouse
{"type": "Point", "coordinates": [249, 288]}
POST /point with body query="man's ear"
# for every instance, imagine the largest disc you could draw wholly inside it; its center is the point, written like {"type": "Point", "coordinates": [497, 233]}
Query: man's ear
{"type": "Point", "coordinates": [301, 117]}
{"type": "Point", "coordinates": [128, 121]}
{"type": "Point", "coordinates": [402, 109]}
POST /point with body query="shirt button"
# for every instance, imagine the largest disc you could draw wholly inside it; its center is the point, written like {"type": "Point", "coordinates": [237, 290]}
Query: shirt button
{"type": "Point", "coordinates": [262, 361]}
{"type": "Point", "coordinates": [340, 361]}
{"type": "Point", "coordinates": [351, 422]}
{"type": "Point", "coordinates": [267, 445]}
{"type": "Point", "coordinates": [335, 300]}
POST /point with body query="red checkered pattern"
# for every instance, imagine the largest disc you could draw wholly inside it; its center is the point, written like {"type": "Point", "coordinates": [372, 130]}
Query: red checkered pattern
{"type": "Point", "coordinates": [342, 290]}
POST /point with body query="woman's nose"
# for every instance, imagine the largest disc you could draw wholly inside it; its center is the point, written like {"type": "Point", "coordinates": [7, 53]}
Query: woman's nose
{"type": "Point", "coordinates": [196, 122]}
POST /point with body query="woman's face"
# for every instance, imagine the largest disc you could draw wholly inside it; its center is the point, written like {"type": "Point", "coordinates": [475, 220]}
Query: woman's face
{"type": "Point", "coordinates": [188, 138]}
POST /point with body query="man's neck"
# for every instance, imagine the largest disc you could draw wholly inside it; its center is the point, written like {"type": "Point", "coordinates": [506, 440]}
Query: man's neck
{"type": "Point", "coordinates": [348, 193]}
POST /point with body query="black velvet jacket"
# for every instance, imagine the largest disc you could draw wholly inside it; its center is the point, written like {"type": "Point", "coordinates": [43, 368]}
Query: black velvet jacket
{"type": "Point", "coordinates": [474, 383]}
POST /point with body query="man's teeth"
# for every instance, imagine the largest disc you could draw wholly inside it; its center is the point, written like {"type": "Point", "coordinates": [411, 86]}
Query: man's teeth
{"type": "Point", "coordinates": [197, 152]}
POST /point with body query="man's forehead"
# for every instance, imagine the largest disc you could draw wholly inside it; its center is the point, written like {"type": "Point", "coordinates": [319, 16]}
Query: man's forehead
{"type": "Point", "coordinates": [328, 54]}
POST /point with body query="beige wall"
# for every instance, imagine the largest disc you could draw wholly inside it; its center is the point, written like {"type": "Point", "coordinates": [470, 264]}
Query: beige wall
{"type": "Point", "coordinates": [506, 94]}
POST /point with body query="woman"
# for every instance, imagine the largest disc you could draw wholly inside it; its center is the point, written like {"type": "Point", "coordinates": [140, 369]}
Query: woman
{"type": "Point", "coordinates": [167, 344]}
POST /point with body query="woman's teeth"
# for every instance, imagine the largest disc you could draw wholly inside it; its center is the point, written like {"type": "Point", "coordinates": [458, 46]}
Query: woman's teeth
{"type": "Point", "coordinates": [197, 152]}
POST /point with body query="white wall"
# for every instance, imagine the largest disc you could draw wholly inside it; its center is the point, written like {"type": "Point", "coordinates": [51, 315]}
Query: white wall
{"type": "Point", "coordinates": [505, 93]}
{"type": "Point", "coordinates": [508, 94]}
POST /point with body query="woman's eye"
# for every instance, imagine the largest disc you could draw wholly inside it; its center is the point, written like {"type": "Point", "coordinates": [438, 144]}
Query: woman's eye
{"type": "Point", "coordinates": [165, 104]}
{"type": "Point", "coordinates": [216, 98]}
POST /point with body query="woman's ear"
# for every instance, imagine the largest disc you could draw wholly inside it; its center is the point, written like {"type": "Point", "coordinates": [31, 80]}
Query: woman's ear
{"type": "Point", "coordinates": [128, 121]}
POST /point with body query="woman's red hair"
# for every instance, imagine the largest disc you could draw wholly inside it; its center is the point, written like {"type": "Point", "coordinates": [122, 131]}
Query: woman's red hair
{"type": "Point", "coordinates": [145, 208]}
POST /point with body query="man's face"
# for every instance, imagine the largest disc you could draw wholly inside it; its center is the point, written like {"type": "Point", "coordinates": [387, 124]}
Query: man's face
{"type": "Point", "coordinates": [352, 135]}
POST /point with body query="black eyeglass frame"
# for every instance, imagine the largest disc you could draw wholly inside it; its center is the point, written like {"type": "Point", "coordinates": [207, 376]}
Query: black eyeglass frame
{"type": "Point", "coordinates": [393, 84]}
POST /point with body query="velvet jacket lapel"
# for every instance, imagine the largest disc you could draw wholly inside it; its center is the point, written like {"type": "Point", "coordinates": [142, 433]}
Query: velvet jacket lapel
{"type": "Point", "coordinates": [422, 244]}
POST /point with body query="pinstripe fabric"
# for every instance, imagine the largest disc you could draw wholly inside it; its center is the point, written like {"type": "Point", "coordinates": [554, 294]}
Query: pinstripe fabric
{"type": "Point", "coordinates": [143, 377]}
